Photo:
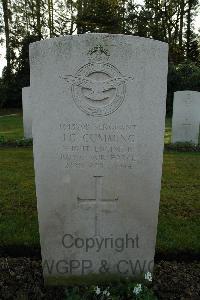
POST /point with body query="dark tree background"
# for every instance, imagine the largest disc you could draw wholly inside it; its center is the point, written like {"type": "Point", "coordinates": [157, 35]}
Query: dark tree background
{"type": "Point", "coordinates": [26, 21]}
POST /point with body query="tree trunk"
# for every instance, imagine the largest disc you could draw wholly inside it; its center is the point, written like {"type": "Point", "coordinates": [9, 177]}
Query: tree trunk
{"type": "Point", "coordinates": [26, 16]}
{"type": "Point", "coordinates": [51, 18]}
{"type": "Point", "coordinates": [72, 19]}
{"type": "Point", "coordinates": [79, 15]}
{"type": "Point", "coordinates": [188, 33]}
{"type": "Point", "coordinates": [7, 35]}
{"type": "Point", "coordinates": [156, 35]}
{"type": "Point", "coordinates": [164, 21]}
{"type": "Point", "coordinates": [182, 12]}
{"type": "Point", "coordinates": [38, 17]}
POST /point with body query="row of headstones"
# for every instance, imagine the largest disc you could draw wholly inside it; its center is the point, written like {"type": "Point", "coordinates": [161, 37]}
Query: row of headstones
{"type": "Point", "coordinates": [98, 116]}
{"type": "Point", "coordinates": [185, 122]}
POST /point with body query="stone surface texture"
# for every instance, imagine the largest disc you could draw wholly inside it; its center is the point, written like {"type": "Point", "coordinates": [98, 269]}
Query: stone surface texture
{"type": "Point", "coordinates": [99, 115]}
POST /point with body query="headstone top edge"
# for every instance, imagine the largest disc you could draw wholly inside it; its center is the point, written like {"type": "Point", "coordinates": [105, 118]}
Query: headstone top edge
{"type": "Point", "coordinates": [26, 88]}
{"type": "Point", "coordinates": [186, 91]}
{"type": "Point", "coordinates": [83, 36]}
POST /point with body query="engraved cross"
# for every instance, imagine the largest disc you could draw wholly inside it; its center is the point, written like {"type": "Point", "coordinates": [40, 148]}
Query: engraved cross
{"type": "Point", "coordinates": [97, 201]}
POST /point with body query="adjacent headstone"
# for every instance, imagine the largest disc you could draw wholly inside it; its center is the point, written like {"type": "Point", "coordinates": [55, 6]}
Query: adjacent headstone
{"type": "Point", "coordinates": [99, 103]}
{"type": "Point", "coordinates": [186, 117]}
{"type": "Point", "coordinates": [27, 112]}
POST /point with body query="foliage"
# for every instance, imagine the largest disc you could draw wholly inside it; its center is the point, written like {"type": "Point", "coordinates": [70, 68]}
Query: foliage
{"type": "Point", "coordinates": [125, 289]}
{"type": "Point", "coordinates": [184, 76]}
{"type": "Point", "coordinates": [16, 143]}
{"type": "Point", "coordinates": [98, 16]}
{"type": "Point", "coordinates": [183, 147]}
{"type": "Point", "coordinates": [11, 90]}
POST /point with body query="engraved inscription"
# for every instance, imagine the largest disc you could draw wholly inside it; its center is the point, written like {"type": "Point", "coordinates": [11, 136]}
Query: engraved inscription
{"type": "Point", "coordinates": [97, 202]}
{"type": "Point", "coordinates": [100, 145]}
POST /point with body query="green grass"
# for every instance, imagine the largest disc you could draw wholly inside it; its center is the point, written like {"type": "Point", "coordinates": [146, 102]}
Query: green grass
{"type": "Point", "coordinates": [18, 222]}
{"type": "Point", "coordinates": [179, 226]}
{"type": "Point", "coordinates": [11, 127]}
{"type": "Point", "coordinates": [168, 130]}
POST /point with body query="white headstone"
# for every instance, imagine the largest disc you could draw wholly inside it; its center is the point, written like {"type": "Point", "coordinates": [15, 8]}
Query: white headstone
{"type": "Point", "coordinates": [27, 112]}
{"type": "Point", "coordinates": [186, 117]}
{"type": "Point", "coordinates": [98, 130]}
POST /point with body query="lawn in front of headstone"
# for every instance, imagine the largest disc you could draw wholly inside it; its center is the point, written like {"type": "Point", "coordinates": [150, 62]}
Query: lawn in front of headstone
{"type": "Point", "coordinates": [168, 130]}
{"type": "Point", "coordinates": [11, 125]}
{"type": "Point", "coordinates": [178, 229]}
{"type": "Point", "coordinates": [18, 223]}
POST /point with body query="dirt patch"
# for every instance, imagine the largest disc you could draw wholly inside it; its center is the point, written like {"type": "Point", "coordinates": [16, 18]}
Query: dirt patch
{"type": "Point", "coordinates": [21, 278]}
{"type": "Point", "coordinates": [174, 280]}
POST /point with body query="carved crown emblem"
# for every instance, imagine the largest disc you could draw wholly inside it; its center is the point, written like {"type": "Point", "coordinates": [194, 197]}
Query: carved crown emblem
{"type": "Point", "coordinates": [98, 54]}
